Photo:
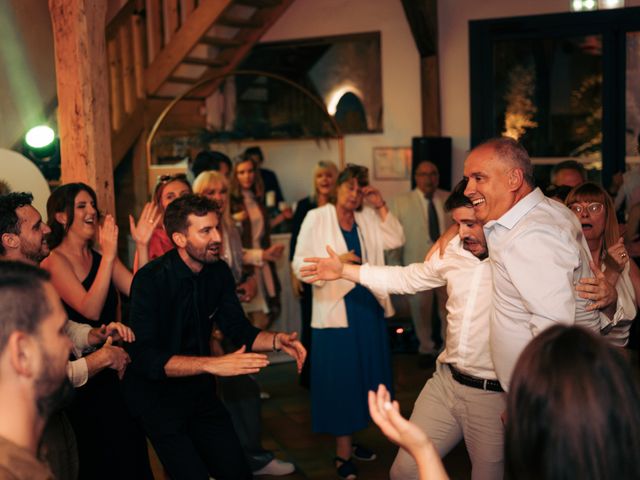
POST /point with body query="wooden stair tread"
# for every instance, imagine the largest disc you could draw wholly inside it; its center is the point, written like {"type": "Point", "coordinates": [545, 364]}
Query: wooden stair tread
{"type": "Point", "coordinates": [229, 21]}
{"type": "Point", "coordinates": [207, 62]}
{"type": "Point", "coordinates": [185, 80]}
{"type": "Point", "coordinates": [258, 3]}
{"type": "Point", "coordinates": [221, 42]}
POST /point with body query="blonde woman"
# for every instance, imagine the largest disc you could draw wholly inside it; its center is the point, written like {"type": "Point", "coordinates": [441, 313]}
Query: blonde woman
{"type": "Point", "coordinates": [323, 191]}
{"type": "Point", "coordinates": [246, 195]}
{"type": "Point", "coordinates": [214, 185]}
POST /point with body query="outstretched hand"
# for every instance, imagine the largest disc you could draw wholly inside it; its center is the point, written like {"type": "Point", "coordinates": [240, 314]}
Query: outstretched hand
{"type": "Point", "coordinates": [237, 363]}
{"type": "Point", "coordinates": [597, 289]}
{"type": "Point", "coordinates": [318, 268]}
{"type": "Point", "coordinates": [290, 344]}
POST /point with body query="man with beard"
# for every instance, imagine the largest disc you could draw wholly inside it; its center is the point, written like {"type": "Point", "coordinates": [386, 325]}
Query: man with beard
{"type": "Point", "coordinates": [23, 238]}
{"type": "Point", "coordinates": [463, 399]}
{"type": "Point", "coordinates": [170, 385]}
{"type": "Point", "coordinates": [34, 349]}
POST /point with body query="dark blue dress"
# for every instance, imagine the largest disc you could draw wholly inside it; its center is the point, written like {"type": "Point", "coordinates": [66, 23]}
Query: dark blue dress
{"type": "Point", "coordinates": [348, 362]}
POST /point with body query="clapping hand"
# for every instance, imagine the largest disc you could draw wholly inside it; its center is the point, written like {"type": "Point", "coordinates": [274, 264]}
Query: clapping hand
{"type": "Point", "coordinates": [148, 221]}
{"type": "Point", "coordinates": [108, 237]}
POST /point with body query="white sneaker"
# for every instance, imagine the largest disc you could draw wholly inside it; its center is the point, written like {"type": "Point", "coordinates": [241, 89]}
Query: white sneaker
{"type": "Point", "coordinates": [276, 467]}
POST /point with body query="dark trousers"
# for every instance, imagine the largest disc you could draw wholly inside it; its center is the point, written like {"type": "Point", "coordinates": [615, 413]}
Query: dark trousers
{"type": "Point", "coordinates": [306, 301]}
{"type": "Point", "coordinates": [241, 396]}
{"type": "Point", "coordinates": [194, 439]}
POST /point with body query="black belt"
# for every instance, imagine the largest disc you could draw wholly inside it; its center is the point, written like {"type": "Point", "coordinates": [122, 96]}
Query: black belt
{"type": "Point", "coordinates": [475, 382]}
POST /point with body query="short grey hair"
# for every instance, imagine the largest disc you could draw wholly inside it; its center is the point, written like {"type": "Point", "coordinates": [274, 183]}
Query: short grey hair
{"type": "Point", "coordinates": [509, 150]}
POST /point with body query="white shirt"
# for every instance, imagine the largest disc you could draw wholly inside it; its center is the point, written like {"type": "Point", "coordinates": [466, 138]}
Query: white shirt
{"type": "Point", "coordinates": [77, 370]}
{"type": "Point", "coordinates": [538, 254]}
{"type": "Point", "coordinates": [469, 286]}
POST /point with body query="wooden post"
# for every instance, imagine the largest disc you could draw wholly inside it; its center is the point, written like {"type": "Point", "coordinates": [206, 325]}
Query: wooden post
{"type": "Point", "coordinates": [83, 95]}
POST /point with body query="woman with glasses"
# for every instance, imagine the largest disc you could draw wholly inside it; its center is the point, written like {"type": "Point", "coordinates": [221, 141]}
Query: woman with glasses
{"type": "Point", "coordinates": [350, 344]}
{"type": "Point", "coordinates": [246, 204]}
{"type": "Point", "coordinates": [594, 209]}
{"type": "Point", "coordinates": [169, 188]}
{"type": "Point", "coordinates": [110, 444]}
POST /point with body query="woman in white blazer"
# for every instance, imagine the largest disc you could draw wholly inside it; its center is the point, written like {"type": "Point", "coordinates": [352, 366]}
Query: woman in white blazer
{"type": "Point", "coordinates": [351, 348]}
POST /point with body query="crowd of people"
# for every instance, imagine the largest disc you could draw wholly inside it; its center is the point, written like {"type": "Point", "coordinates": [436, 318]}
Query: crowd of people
{"type": "Point", "coordinates": [538, 296]}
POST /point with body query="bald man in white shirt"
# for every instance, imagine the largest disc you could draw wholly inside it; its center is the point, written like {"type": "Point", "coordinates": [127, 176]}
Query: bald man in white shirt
{"type": "Point", "coordinates": [538, 255]}
{"type": "Point", "coordinates": [463, 398]}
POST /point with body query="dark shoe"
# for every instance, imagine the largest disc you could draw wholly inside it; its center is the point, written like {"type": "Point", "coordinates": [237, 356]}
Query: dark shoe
{"type": "Point", "coordinates": [362, 453]}
{"type": "Point", "coordinates": [346, 469]}
{"type": "Point", "coordinates": [426, 360]}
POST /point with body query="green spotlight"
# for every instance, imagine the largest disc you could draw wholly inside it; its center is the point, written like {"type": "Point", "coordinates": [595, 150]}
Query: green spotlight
{"type": "Point", "coordinates": [40, 136]}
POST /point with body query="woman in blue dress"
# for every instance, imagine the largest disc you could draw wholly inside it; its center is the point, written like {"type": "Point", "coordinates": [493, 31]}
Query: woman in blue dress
{"type": "Point", "coordinates": [351, 348]}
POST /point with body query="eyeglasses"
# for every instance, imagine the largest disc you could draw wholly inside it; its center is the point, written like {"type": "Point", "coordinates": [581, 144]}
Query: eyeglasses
{"type": "Point", "coordinates": [594, 208]}
{"type": "Point", "coordinates": [171, 178]}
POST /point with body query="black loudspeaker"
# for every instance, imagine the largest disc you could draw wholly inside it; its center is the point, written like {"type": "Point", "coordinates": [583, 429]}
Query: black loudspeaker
{"type": "Point", "coordinates": [437, 150]}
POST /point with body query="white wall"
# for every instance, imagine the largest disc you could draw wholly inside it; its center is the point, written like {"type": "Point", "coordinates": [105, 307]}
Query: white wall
{"type": "Point", "coordinates": [293, 161]}
{"type": "Point", "coordinates": [27, 76]}
{"type": "Point", "coordinates": [453, 56]}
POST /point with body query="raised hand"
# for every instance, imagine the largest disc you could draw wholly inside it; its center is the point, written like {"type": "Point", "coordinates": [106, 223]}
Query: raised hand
{"type": "Point", "coordinates": [290, 344]}
{"type": "Point", "coordinates": [617, 257]}
{"type": "Point", "coordinates": [328, 268]}
{"type": "Point", "coordinates": [386, 414]}
{"type": "Point", "coordinates": [237, 363]}
{"type": "Point", "coordinates": [108, 237]}
{"type": "Point", "coordinates": [149, 218]}
{"type": "Point", "coordinates": [597, 289]}
{"type": "Point", "coordinates": [373, 197]}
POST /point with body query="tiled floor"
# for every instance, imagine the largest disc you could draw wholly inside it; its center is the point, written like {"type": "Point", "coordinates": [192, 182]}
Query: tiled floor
{"type": "Point", "coordinates": [287, 425]}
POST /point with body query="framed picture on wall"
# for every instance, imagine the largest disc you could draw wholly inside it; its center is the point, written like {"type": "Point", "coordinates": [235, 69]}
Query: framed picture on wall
{"type": "Point", "coordinates": [392, 163]}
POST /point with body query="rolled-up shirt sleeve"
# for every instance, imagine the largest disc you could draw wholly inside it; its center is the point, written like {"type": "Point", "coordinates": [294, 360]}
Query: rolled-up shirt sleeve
{"type": "Point", "coordinates": [79, 335]}
{"type": "Point", "coordinates": [78, 372]}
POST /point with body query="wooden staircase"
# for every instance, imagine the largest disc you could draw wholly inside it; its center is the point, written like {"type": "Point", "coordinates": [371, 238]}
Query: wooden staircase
{"type": "Point", "coordinates": [159, 49]}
